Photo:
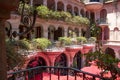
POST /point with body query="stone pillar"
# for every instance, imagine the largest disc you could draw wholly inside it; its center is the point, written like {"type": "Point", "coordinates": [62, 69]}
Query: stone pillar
{"type": "Point", "coordinates": [80, 32]}
{"type": "Point", "coordinates": [3, 59]}
{"type": "Point", "coordinates": [65, 7]}
{"type": "Point", "coordinates": [45, 32]}
{"type": "Point", "coordinates": [65, 32]}
{"type": "Point", "coordinates": [73, 10]}
{"type": "Point", "coordinates": [55, 5]}
{"type": "Point", "coordinates": [31, 2]}
{"type": "Point", "coordinates": [45, 2]}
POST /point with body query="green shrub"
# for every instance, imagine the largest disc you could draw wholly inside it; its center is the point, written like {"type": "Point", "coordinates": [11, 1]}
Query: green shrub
{"type": "Point", "coordinates": [92, 40]}
{"type": "Point", "coordinates": [41, 43]}
{"type": "Point", "coordinates": [81, 39]}
{"type": "Point", "coordinates": [65, 40]}
{"type": "Point", "coordinates": [43, 11]}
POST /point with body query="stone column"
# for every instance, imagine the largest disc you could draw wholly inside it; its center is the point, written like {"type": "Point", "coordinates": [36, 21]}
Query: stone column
{"type": "Point", "coordinates": [80, 32]}
{"type": "Point", "coordinates": [55, 5]}
{"type": "Point", "coordinates": [45, 2]}
{"type": "Point", "coordinates": [73, 10]}
{"type": "Point", "coordinates": [65, 7]}
{"type": "Point", "coordinates": [65, 32]}
{"type": "Point", "coordinates": [45, 32]}
{"type": "Point", "coordinates": [3, 59]}
{"type": "Point", "coordinates": [5, 7]}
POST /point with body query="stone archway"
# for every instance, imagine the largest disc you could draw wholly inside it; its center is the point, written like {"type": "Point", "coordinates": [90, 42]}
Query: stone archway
{"type": "Point", "coordinates": [76, 30]}
{"type": "Point", "coordinates": [58, 33]}
{"type": "Point", "coordinates": [37, 61]}
{"type": "Point", "coordinates": [76, 11]}
{"type": "Point", "coordinates": [51, 30]}
{"type": "Point", "coordinates": [110, 51]}
{"type": "Point", "coordinates": [38, 2]}
{"type": "Point", "coordinates": [69, 8]}
{"type": "Point", "coordinates": [39, 31]}
{"type": "Point", "coordinates": [60, 6]}
{"type": "Point", "coordinates": [51, 4]}
{"type": "Point", "coordinates": [82, 12]}
{"type": "Point", "coordinates": [77, 60]}
{"type": "Point", "coordinates": [61, 61]}
{"type": "Point", "coordinates": [70, 31]}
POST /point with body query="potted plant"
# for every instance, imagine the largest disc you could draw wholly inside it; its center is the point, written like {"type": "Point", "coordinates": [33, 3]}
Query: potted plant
{"type": "Point", "coordinates": [81, 40]}
{"type": "Point", "coordinates": [41, 43]}
{"type": "Point", "coordinates": [65, 41]}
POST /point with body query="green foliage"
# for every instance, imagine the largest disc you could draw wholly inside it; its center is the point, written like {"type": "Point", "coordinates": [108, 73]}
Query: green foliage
{"type": "Point", "coordinates": [65, 15]}
{"type": "Point", "coordinates": [95, 30]}
{"type": "Point", "coordinates": [92, 40]}
{"type": "Point", "coordinates": [27, 8]}
{"type": "Point", "coordinates": [105, 62]}
{"type": "Point", "coordinates": [81, 39]}
{"type": "Point", "coordinates": [65, 40]}
{"type": "Point", "coordinates": [23, 44]}
{"type": "Point", "coordinates": [41, 43]}
{"type": "Point", "coordinates": [43, 11]}
{"type": "Point", "coordinates": [13, 58]}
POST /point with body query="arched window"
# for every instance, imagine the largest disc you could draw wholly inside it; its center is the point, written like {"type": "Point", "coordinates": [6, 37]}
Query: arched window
{"type": "Point", "coordinates": [69, 8]}
{"type": "Point", "coordinates": [103, 14]}
{"type": "Point", "coordinates": [51, 4]}
{"type": "Point", "coordinates": [60, 6]}
{"type": "Point", "coordinates": [82, 12]}
{"type": "Point", "coordinates": [76, 11]}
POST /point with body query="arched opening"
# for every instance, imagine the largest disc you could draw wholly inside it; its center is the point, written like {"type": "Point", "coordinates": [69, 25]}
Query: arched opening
{"type": "Point", "coordinates": [38, 2]}
{"type": "Point", "coordinates": [76, 31]}
{"type": "Point", "coordinates": [116, 33]}
{"type": "Point", "coordinates": [110, 51]}
{"type": "Point", "coordinates": [103, 15]}
{"type": "Point", "coordinates": [76, 11]}
{"type": "Point", "coordinates": [37, 61]}
{"type": "Point", "coordinates": [87, 14]}
{"type": "Point", "coordinates": [21, 29]}
{"type": "Point", "coordinates": [51, 4]}
{"type": "Point", "coordinates": [92, 17]}
{"type": "Point", "coordinates": [70, 31]}
{"type": "Point", "coordinates": [60, 6]}
{"type": "Point", "coordinates": [51, 30]}
{"type": "Point", "coordinates": [106, 33]}
{"type": "Point", "coordinates": [82, 13]}
{"type": "Point", "coordinates": [61, 61]}
{"type": "Point", "coordinates": [69, 8]}
{"type": "Point", "coordinates": [77, 60]}
{"type": "Point", "coordinates": [83, 32]}
{"type": "Point", "coordinates": [58, 33]}
{"type": "Point", "coordinates": [39, 32]}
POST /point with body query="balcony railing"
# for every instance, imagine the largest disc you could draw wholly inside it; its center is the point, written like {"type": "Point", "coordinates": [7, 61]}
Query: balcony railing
{"type": "Point", "coordinates": [38, 73]}
{"type": "Point", "coordinates": [102, 21]}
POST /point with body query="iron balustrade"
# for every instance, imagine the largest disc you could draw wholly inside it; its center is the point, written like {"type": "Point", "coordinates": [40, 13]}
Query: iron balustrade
{"type": "Point", "coordinates": [37, 73]}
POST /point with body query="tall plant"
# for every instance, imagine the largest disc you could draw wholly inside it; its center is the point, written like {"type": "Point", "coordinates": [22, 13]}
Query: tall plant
{"type": "Point", "coordinates": [105, 62]}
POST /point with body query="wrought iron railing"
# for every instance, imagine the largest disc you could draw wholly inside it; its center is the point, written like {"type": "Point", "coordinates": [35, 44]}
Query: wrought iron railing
{"type": "Point", "coordinates": [37, 73]}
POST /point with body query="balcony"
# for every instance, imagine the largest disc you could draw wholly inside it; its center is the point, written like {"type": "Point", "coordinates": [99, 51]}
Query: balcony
{"type": "Point", "coordinates": [102, 22]}
{"type": "Point", "coordinates": [93, 5]}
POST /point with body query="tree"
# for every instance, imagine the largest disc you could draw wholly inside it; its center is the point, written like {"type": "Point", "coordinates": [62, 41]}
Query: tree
{"type": "Point", "coordinates": [105, 62]}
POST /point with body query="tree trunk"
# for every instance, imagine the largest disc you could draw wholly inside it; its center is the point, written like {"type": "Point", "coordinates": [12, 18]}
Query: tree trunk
{"type": "Point", "coordinates": [3, 62]}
